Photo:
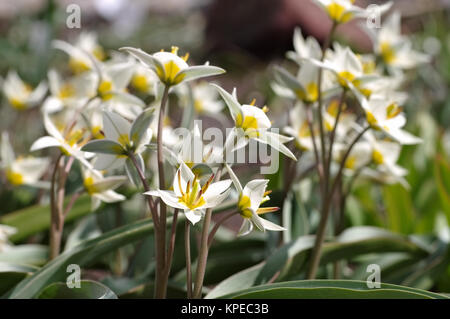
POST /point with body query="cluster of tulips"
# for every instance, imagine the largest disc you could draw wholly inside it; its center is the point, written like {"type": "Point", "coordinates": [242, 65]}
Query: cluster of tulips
{"type": "Point", "coordinates": [111, 116]}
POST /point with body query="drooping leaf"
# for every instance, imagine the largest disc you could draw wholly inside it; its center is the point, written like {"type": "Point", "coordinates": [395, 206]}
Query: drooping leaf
{"type": "Point", "coordinates": [331, 289]}
{"type": "Point", "coordinates": [84, 254]}
{"type": "Point", "coordinates": [88, 290]}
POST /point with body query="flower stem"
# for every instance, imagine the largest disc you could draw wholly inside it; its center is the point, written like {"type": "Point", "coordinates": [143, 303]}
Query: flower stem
{"type": "Point", "coordinates": [333, 134]}
{"type": "Point", "coordinates": [204, 248]}
{"type": "Point", "coordinates": [317, 250]}
{"type": "Point", "coordinates": [161, 279]}
{"type": "Point", "coordinates": [325, 46]}
{"type": "Point", "coordinates": [217, 226]}
{"type": "Point", "coordinates": [171, 247]}
{"type": "Point", "coordinates": [55, 238]}
{"type": "Point", "coordinates": [160, 283]}
{"type": "Point", "coordinates": [187, 249]}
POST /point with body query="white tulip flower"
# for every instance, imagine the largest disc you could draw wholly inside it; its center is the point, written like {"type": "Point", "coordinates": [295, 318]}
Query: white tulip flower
{"type": "Point", "coordinates": [71, 93]}
{"type": "Point", "coordinates": [204, 97]}
{"type": "Point", "coordinates": [69, 140]}
{"type": "Point", "coordinates": [101, 188]}
{"type": "Point", "coordinates": [189, 196]}
{"type": "Point", "coordinates": [342, 11]}
{"type": "Point", "coordinates": [250, 199]}
{"type": "Point", "coordinates": [299, 128]}
{"type": "Point", "coordinates": [122, 139]}
{"type": "Point", "coordinates": [83, 54]}
{"type": "Point", "coordinates": [386, 115]}
{"type": "Point", "coordinates": [308, 48]}
{"type": "Point", "coordinates": [21, 95]}
{"type": "Point", "coordinates": [172, 69]}
{"type": "Point", "coordinates": [252, 123]}
{"type": "Point", "coordinates": [22, 170]}
{"type": "Point", "coordinates": [395, 49]}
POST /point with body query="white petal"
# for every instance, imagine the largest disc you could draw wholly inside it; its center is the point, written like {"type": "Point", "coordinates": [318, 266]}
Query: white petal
{"type": "Point", "coordinates": [51, 128]}
{"type": "Point", "coordinates": [271, 226]}
{"type": "Point", "coordinates": [167, 197]}
{"type": "Point", "coordinates": [44, 142]}
{"type": "Point", "coordinates": [114, 125]}
{"type": "Point", "coordinates": [404, 137]}
{"type": "Point", "coordinates": [246, 228]}
{"type": "Point", "coordinates": [193, 216]}
{"type": "Point", "coordinates": [109, 196]}
{"type": "Point", "coordinates": [255, 190]}
{"type": "Point", "coordinates": [234, 178]}
{"type": "Point", "coordinates": [215, 189]}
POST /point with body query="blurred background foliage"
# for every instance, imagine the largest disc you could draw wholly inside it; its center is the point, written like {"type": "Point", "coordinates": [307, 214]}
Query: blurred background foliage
{"type": "Point", "coordinates": [246, 38]}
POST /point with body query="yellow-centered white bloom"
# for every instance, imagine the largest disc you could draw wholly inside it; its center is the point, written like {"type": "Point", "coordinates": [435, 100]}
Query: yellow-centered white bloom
{"type": "Point", "coordinates": [5, 232]}
{"type": "Point", "coordinates": [204, 98]}
{"type": "Point", "coordinates": [22, 170]}
{"type": "Point", "coordinates": [347, 67]}
{"type": "Point", "coordinates": [359, 156]}
{"type": "Point", "coordinates": [170, 68]}
{"type": "Point", "coordinates": [299, 128]}
{"type": "Point", "coordinates": [251, 122]}
{"type": "Point", "coordinates": [191, 197]}
{"type": "Point", "coordinates": [193, 152]}
{"type": "Point", "coordinates": [304, 48]}
{"type": "Point", "coordinates": [113, 77]}
{"type": "Point", "coordinates": [117, 133]}
{"type": "Point", "coordinates": [144, 80]}
{"type": "Point", "coordinates": [385, 155]}
{"type": "Point", "coordinates": [250, 199]}
{"type": "Point", "coordinates": [71, 93]}
{"type": "Point", "coordinates": [21, 95]}
{"type": "Point", "coordinates": [122, 141]}
{"type": "Point", "coordinates": [100, 188]}
{"type": "Point", "coordinates": [68, 138]}
{"type": "Point", "coordinates": [83, 54]}
{"type": "Point", "coordinates": [387, 116]}
{"type": "Point", "coordinates": [395, 49]}
{"type": "Point", "coordinates": [342, 11]}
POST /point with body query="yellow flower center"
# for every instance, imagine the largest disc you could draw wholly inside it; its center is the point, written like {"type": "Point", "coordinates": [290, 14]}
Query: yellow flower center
{"type": "Point", "coordinates": [304, 130]}
{"type": "Point", "coordinates": [104, 90]}
{"type": "Point", "coordinates": [328, 126]}
{"type": "Point", "coordinates": [244, 206]}
{"type": "Point", "coordinates": [18, 104]}
{"type": "Point", "coordinates": [192, 197]}
{"type": "Point", "coordinates": [74, 136]}
{"type": "Point", "coordinates": [124, 140]}
{"type": "Point", "coordinates": [350, 162]}
{"type": "Point", "coordinates": [170, 72]}
{"type": "Point", "coordinates": [198, 105]}
{"type": "Point", "coordinates": [393, 110]}
{"type": "Point", "coordinates": [66, 91]}
{"type": "Point", "coordinates": [338, 13]}
{"type": "Point", "coordinates": [140, 83]}
{"type": "Point", "coordinates": [89, 185]}
{"type": "Point", "coordinates": [371, 119]}
{"type": "Point", "coordinates": [387, 53]}
{"type": "Point", "coordinates": [365, 91]}
{"type": "Point", "coordinates": [377, 157]}
{"type": "Point", "coordinates": [310, 94]}
{"type": "Point", "coordinates": [14, 177]}
{"type": "Point", "coordinates": [78, 66]}
{"type": "Point", "coordinates": [97, 132]}
{"type": "Point", "coordinates": [368, 67]}
{"type": "Point", "coordinates": [99, 53]}
{"type": "Point", "coordinates": [344, 77]}
{"type": "Point", "coordinates": [249, 124]}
